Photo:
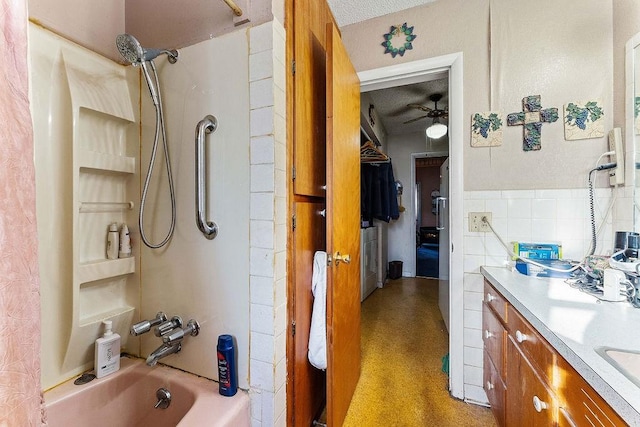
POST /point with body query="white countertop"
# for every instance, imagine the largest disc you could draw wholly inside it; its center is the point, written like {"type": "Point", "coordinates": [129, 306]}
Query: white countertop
{"type": "Point", "coordinates": [575, 324]}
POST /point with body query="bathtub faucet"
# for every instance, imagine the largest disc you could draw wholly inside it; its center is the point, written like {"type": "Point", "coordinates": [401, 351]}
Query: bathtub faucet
{"type": "Point", "coordinates": [172, 334]}
{"type": "Point", "coordinates": [163, 351]}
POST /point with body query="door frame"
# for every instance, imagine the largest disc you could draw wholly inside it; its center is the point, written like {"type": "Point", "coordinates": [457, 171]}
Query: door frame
{"type": "Point", "coordinates": [419, 71]}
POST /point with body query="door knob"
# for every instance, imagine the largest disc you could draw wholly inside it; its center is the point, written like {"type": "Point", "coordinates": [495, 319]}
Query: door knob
{"type": "Point", "coordinates": [337, 257]}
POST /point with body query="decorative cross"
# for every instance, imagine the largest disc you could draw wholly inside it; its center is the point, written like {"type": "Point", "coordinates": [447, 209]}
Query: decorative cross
{"type": "Point", "coordinates": [532, 118]}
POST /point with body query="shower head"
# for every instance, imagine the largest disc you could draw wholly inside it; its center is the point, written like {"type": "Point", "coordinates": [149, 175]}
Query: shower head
{"type": "Point", "coordinates": [132, 51]}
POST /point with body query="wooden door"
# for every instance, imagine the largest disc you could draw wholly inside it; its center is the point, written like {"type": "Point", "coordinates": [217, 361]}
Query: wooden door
{"type": "Point", "coordinates": [343, 228]}
{"type": "Point", "coordinates": [307, 384]}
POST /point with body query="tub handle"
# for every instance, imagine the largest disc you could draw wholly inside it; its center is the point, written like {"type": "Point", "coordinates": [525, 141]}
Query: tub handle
{"type": "Point", "coordinates": [208, 228]}
{"type": "Point", "coordinates": [164, 398]}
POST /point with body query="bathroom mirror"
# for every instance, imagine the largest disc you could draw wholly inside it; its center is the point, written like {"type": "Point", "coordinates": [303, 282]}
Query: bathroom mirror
{"type": "Point", "coordinates": [632, 120]}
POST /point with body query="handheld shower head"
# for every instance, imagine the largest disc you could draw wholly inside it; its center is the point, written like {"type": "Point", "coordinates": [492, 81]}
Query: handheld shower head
{"type": "Point", "coordinates": [133, 52]}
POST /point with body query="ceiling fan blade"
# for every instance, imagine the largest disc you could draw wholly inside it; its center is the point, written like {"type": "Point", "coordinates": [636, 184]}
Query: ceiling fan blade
{"type": "Point", "coordinates": [414, 120]}
{"type": "Point", "coordinates": [419, 107]}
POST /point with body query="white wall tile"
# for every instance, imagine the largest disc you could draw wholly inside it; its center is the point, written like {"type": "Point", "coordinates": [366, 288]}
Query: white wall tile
{"type": "Point", "coordinates": [473, 356]}
{"type": "Point", "coordinates": [473, 375]}
{"type": "Point", "coordinates": [262, 121]}
{"type": "Point", "coordinates": [260, 66]}
{"type": "Point", "coordinates": [519, 208]}
{"type": "Point", "coordinates": [280, 321]}
{"type": "Point", "coordinates": [473, 393]}
{"type": "Point", "coordinates": [262, 178]}
{"type": "Point", "coordinates": [543, 230]}
{"type": "Point", "coordinates": [261, 93]}
{"type": "Point", "coordinates": [473, 282]}
{"type": "Point", "coordinates": [472, 319]}
{"type": "Point", "coordinates": [262, 234]}
{"type": "Point", "coordinates": [519, 229]}
{"type": "Point", "coordinates": [474, 244]}
{"type": "Point", "coordinates": [518, 194]}
{"type": "Point", "coordinates": [473, 338]}
{"type": "Point", "coordinates": [261, 290]}
{"type": "Point", "coordinates": [255, 396]}
{"type": "Point", "coordinates": [262, 378]}
{"type": "Point", "coordinates": [472, 300]}
{"type": "Point", "coordinates": [497, 207]}
{"type": "Point", "coordinates": [262, 150]}
{"type": "Point", "coordinates": [261, 38]}
{"type": "Point", "coordinates": [268, 415]}
{"type": "Point", "coordinates": [262, 319]}
{"type": "Point", "coordinates": [543, 208]}
{"type": "Point", "coordinates": [261, 262]}
{"type": "Point", "coordinates": [262, 347]}
{"type": "Point", "coordinates": [262, 206]}
{"type": "Point", "coordinates": [472, 263]}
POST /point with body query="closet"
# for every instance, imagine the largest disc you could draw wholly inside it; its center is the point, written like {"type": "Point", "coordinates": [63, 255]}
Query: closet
{"type": "Point", "coordinates": [323, 140]}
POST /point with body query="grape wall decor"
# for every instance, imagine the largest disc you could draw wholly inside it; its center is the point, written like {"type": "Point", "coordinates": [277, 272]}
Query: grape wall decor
{"type": "Point", "coordinates": [583, 120]}
{"type": "Point", "coordinates": [398, 40]}
{"type": "Point", "coordinates": [486, 129]}
{"type": "Point", "coordinates": [531, 118]}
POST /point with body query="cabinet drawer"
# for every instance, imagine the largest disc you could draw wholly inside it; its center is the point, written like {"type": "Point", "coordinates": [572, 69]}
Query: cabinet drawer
{"type": "Point", "coordinates": [538, 351]}
{"type": "Point", "coordinates": [581, 401]}
{"type": "Point", "coordinates": [495, 301]}
{"type": "Point", "coordinates": [493, 337]}
{"type": "Point", "coordinates": [495, 389]}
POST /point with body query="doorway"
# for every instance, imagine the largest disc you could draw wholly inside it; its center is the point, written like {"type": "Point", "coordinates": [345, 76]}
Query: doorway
{"type": "Point", "coordinates": [419, 71]}
{"type": "Point", "coordinates": [430, 200]}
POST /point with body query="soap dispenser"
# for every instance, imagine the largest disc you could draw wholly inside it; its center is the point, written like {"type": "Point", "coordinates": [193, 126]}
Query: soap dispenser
{"type": "Point", "coordinates": [107, 354]}
{"type": "Point", "coordinates": [125, 242]}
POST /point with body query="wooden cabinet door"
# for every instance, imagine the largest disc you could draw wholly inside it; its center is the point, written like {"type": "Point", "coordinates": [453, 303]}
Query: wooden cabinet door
{"type": "Point", "coordinates": [524, 387]}
{"type": "Point", "coordinates": [343, 229]}
{"type": "Point", "coordinates": [307, 384]}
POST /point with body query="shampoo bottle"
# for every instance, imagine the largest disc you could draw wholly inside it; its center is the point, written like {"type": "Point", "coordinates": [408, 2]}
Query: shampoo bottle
{"type": "Point", "coordinates": [227, 371]}
{"type": "Point", "coordinates": [107, 356]}
{"type": "Point", "coordinates": [125, 242]}
{"type": "Point", "coordinates": [112, 242]}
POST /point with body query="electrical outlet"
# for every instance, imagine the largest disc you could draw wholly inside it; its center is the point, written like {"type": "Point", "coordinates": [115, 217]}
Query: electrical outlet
{"type": "Point", "coordinates": [476, 223]}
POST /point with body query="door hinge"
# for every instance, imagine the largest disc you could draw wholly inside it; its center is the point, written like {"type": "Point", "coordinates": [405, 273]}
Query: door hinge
{"type": "Point", "coordinates": [293, 222]}
{"type": "Point", "coordinates": [293, 173]}
{"type": "Point", "coordinates": [293, 67]}
{"type": "Point", "coordinates": [293, 328]}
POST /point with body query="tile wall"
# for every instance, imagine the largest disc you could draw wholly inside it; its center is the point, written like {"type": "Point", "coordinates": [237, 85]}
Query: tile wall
{"type": "Point", "coordinates": [268, 225]}
{"type": "Point", "coordinates": [533, 216]}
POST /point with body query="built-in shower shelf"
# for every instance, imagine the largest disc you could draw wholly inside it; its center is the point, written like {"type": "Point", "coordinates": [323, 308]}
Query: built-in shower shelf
{"type": "Point", "coordinates": [126, 312]}
{"type": "Point", "coordinates": [106, 162]}
{"type": "Point", "coordinates": [104, 269]}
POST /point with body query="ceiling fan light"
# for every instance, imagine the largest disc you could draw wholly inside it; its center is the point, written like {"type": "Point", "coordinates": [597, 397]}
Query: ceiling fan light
{"type": "Point", "coordinates": [436, 130]}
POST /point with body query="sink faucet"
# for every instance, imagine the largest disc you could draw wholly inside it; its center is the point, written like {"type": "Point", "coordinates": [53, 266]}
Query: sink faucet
{"type": "Point", "coordinates": [163, 351]}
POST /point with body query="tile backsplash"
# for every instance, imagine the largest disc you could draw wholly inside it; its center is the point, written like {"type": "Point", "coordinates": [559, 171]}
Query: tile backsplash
{"type": "Point", "coordinates": [532, 216]}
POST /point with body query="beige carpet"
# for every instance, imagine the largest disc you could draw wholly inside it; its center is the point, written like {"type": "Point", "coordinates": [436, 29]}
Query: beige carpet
{"type": "Point", "coordinates": [403, 342]}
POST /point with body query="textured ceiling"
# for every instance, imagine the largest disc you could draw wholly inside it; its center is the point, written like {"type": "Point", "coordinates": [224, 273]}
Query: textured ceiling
{"type": "Point", "coordinates": [391, 105]}
{"type": "Point", "coordinates": [350, 12]}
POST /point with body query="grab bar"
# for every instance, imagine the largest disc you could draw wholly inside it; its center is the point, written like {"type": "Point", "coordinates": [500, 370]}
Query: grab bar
{"type": "Point", "coordinates": [208, 228]}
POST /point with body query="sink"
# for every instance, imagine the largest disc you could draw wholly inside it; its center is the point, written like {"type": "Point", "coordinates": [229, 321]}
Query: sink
{"type": "Point", "coordinates": [625, 361]}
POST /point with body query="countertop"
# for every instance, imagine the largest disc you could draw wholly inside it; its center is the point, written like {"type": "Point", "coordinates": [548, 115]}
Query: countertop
{"type": "Point", "coordinates": [575, 324]}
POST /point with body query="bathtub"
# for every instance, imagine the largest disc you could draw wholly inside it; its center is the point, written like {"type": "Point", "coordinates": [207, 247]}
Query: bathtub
{"type": "Point", "coordinates": [127, 398]}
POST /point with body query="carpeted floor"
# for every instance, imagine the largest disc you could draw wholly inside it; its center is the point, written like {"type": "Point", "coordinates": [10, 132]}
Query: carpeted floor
{"type": "Point", "coordinates": [403, 342]}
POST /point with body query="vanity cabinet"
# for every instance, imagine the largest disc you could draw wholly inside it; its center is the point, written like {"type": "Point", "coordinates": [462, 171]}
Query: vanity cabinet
{"type": "Point", "coordinates": [527, 382]}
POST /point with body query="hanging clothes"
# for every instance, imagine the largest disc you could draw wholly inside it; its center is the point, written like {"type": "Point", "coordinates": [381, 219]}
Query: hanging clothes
{"type": "Point", "coordinates": [379, 197]}
{"type": "Point", "coordinates": [318, 334]}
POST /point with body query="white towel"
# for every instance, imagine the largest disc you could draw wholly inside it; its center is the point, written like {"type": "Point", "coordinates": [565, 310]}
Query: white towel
{"type": "Point", "coordinates": [318, 333]}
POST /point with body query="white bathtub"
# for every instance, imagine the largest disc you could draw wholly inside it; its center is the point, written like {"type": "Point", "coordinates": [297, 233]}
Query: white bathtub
{"type": "Point", "coordinates": [127, 398]}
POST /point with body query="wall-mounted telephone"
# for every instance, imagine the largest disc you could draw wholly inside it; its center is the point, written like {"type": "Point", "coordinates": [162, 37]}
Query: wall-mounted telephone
{"type": "Point", "coordinates": [616, 175]}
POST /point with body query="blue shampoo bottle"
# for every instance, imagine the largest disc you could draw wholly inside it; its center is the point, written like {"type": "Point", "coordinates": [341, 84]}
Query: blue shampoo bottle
{"type": "Point", "coordinates": [227, 369]}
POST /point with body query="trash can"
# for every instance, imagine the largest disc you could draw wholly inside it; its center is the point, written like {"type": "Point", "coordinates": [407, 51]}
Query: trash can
{"type": "Point", "coordinates": [395, 270]}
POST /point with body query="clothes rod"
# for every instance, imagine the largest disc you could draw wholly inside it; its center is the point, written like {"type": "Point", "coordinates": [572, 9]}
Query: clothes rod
{"type": "Point", "coordinates": [105, 206]}
{"type": "Point", "coordinates": [236, 10]}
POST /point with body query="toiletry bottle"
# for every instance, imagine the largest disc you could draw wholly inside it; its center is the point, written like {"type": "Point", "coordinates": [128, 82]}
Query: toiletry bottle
{"type": "Point", "coordinates": [107, 355]}
{"type": "Point", "coordinates": [125, 242]}
{"type": "Point", "coordinates": [112, 241]}
{"type": "Point", "coordinates": [227, 370]}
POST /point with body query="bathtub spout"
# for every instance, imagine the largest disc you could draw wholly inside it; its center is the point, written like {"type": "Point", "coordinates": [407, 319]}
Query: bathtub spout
{"type": "Point", "coordinates": [163, 351]}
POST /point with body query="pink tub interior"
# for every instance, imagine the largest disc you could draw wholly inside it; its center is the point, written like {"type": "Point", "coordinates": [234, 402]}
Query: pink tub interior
{"type": "Point", "coordinates": [127, 398]}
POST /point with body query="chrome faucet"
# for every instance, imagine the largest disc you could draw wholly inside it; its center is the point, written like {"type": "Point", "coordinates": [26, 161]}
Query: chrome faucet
{"type": "Point", "coordinates": [163, 351]}
{"type": "Point", "coordinates": [170, 331]}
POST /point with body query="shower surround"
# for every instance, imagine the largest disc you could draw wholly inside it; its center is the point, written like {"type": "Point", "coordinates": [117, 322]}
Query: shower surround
{"type": "Point", "coordinates": [233, 284]}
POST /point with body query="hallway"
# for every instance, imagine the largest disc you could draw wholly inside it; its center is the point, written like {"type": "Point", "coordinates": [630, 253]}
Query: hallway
{"type": "Point", "coordinates": [404, 340]}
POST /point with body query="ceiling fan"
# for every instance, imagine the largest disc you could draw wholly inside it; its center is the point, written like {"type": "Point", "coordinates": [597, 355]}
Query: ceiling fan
{"type": "Point", "coordinates": [433, 113]}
